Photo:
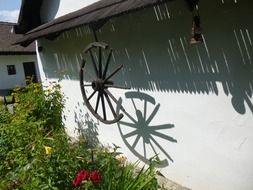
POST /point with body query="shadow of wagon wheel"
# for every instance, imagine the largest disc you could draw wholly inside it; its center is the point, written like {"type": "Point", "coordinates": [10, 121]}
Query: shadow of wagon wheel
{"type": "Point", "coordinates": [139, 128]}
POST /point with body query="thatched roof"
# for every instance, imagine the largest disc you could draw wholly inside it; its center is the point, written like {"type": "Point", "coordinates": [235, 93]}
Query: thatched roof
{"type": "Point", "coordinates": [29, 16]}
{"type": "Point", "coordinates": [98, 12]}
{"type": "Point", "coordinates": [7, 38]}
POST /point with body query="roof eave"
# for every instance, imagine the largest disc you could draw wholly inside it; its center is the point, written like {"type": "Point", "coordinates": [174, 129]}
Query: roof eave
{"type": "Point", "coordinates": [50, 29]}
{"type": "Point", "coordinates": [29, 16]}
{"type": "Point", "coordinates": [17, 53]}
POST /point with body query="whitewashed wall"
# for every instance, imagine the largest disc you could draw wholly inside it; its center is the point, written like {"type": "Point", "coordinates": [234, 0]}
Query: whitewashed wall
{"type": "Point", "coordinates": [200, 96]}
{"type": "Point", "coordinates": [12, 81]}
{"type": "Point", "coordinates": [56, 8]}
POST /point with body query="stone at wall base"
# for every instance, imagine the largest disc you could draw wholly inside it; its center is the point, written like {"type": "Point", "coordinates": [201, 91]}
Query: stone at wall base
{"type": "Point", "coordinates": [170, 185]}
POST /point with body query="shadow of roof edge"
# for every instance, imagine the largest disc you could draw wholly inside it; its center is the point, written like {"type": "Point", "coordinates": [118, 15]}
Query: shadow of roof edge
{"type": "Point", "coordinates": [101, 10]}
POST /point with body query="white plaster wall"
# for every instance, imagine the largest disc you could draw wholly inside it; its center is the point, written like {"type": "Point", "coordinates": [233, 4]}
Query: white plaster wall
{"type": "Point", "coordinates": [56, 8]}
{"type": "Point", "coordinates": [12, 81]}
{"type": "Point", "coordinates": [200, 96]}
{"type": "Point", "coordinates": [49, 9]}
{"type": "Point", "coordinates": [67, 6]}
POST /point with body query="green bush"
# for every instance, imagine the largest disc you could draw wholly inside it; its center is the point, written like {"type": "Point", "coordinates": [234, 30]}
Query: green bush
{"type": "Point", "coordinates": [36, 153]}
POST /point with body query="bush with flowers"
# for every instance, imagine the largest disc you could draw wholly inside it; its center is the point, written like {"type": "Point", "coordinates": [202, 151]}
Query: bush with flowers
{"type": "Point", "coordinates": [36, 153]}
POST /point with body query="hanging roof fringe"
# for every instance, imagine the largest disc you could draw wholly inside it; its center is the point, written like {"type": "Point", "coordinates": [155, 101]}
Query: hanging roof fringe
{"type": "Point", "coordinates": [97, 12]}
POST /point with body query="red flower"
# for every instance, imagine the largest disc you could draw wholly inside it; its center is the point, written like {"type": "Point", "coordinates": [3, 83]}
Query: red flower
{"type": "Point", "coordinates": [95, 177]}
{"type": "Point", "coordinates": [81, 176]}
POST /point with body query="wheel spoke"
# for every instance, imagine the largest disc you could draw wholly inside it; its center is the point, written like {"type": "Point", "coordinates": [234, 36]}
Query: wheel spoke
{"type": "Point", "coordinates": [83, 64]}
{"type": "Point", "coordinates": [100, 62]}
{"type": "Point", "coordinates": [103, 105]}
{"type": "Point", "coordinates": [98, 99]}
{"type": "Point", "coordinates": [130, 117]}
{"type": "Point", "coordinates": [118, 87]}
{"type": "Point", "coordinates": [93, 93]}
{"type": "Point", "coordinates": [144, 149]}
{"type": "Point", "coordinates": [136, 141]}
{"type": "Point", "coordinates": [151, 117]}
{"type": "Point", "coordinates": [93, 63]}
{"type": "Point", "coordinates": [113, 73]}
{"type": "Point", "coordinates": [145, 110]}
{"type": "Point", "coordinates": [121, 107]}
{"type": "Point", "coordinates": [161, 148]}
{"type": "Point", "coordinates": [159, 127]}
{"type": "Point", "coordinates": [134, 104]}
{"type": "Point", "coordinates": [111, 96]}
{"type": "Point", "coordinates": [110, 104]}
{"type": "Point", "coordinates": [107, 64]}
{"type": "Point", "coordinates": [87, 84]}
{"type": "Point", "coordinates": [135, 132]}
{"type": "Point", "coordinates": [166, 137]}
{"type": "Point", "coordinates": [133, 125]}
{"type": "Point", "coordinates": [153, 148]}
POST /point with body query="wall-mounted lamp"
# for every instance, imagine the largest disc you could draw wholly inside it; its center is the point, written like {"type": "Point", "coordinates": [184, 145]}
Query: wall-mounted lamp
{"type": "Point", "coordinates": [196, 36]}
{"type": "Point", "coordinates": [40, 49]}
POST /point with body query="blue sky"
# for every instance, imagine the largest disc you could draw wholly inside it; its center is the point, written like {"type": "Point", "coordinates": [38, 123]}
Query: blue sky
{"type": "Point", "coordinates": [9, 10]}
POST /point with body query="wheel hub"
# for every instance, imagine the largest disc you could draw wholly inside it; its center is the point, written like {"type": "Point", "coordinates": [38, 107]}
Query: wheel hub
{"type": "Point", "coordinates": [98, 84]}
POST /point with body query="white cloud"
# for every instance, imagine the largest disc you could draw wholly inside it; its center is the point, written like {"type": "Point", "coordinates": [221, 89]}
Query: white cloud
{"type": "Point", "coordinates": [9, 16]}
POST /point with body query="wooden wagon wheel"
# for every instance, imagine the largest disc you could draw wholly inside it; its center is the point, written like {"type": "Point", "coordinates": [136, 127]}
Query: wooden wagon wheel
{"type": "Point", "coordinates": [100, 85]}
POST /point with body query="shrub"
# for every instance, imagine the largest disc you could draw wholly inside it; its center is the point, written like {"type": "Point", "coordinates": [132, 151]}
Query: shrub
{"type": "Point", "coordinates": [36, 153]}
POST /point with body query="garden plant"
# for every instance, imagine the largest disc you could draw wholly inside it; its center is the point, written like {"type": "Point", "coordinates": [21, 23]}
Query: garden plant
{"type": "Point", "coordinates": [36, 153]}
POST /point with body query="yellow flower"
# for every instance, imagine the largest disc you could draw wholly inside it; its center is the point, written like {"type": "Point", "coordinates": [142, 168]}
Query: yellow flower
{"type": "Point", "coordinates": [48, 150]}
{"type": "Point", "coordinates": [122, 159]}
